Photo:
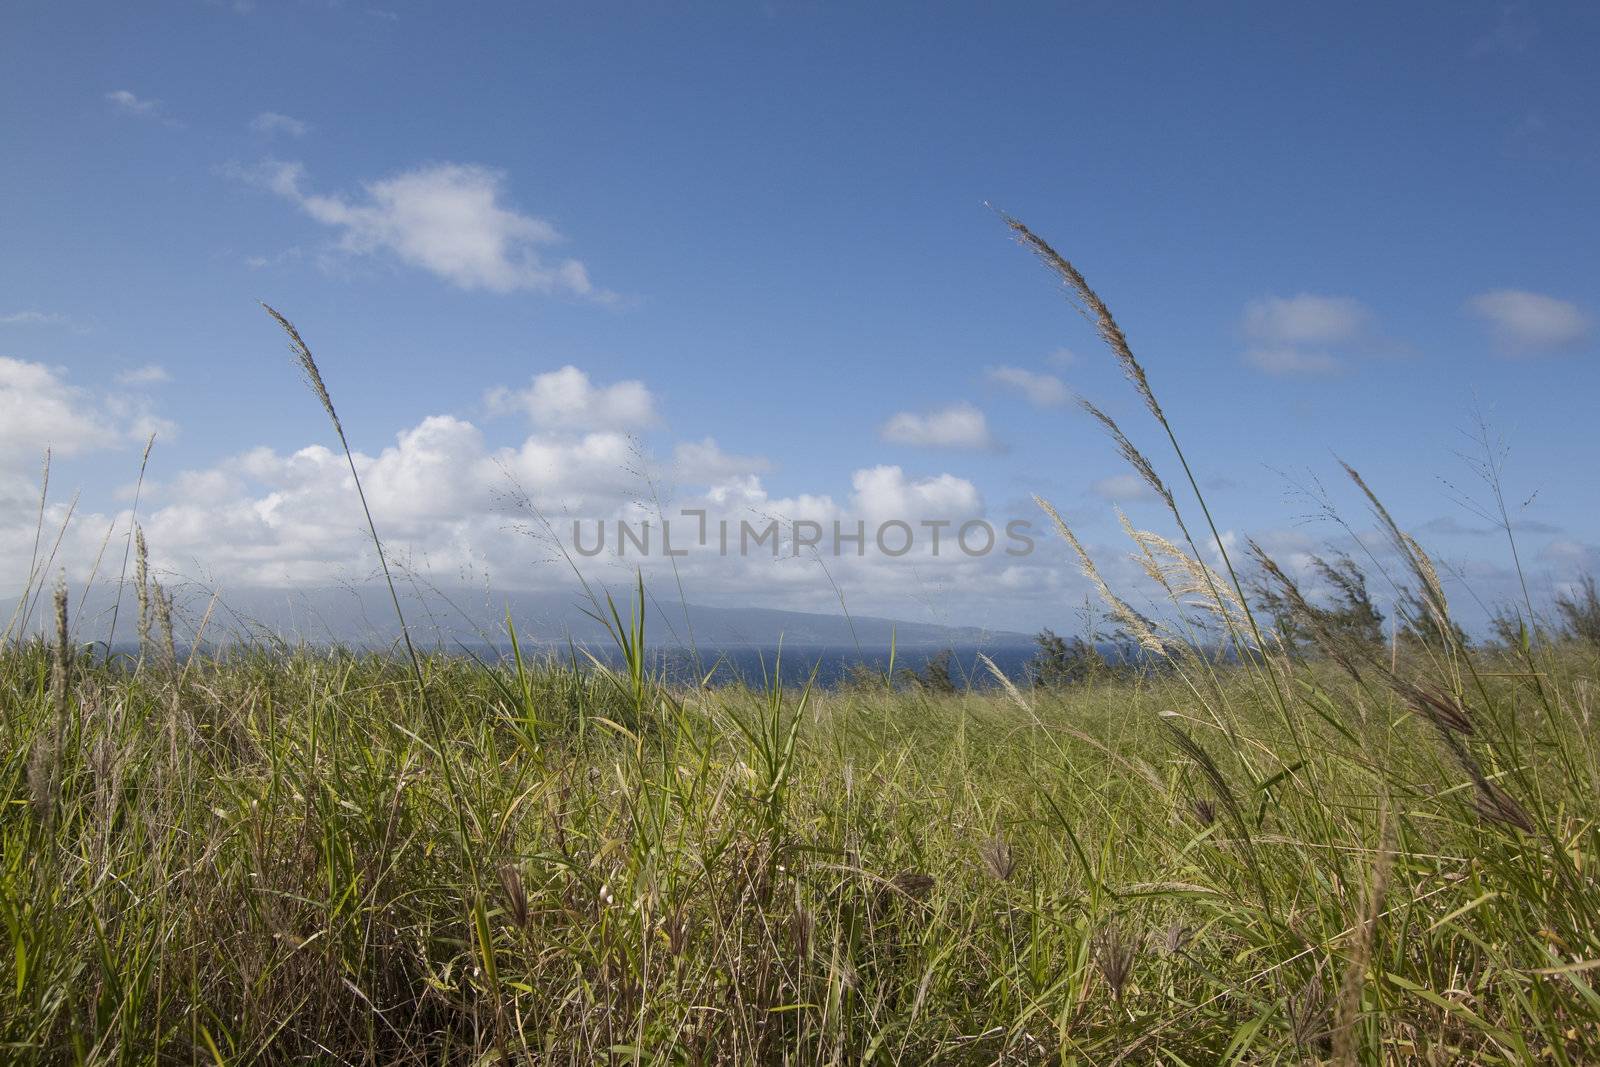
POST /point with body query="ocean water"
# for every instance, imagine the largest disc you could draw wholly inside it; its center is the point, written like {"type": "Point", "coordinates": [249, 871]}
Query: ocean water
{"type": "Point", "coordinates": [825, 665]}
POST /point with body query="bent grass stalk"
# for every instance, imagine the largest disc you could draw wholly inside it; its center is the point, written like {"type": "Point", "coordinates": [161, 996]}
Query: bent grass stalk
{"type": "Point", "coordinates": [313, 376]}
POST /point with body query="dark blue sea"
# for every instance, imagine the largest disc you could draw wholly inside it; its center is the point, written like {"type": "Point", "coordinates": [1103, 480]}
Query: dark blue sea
{"type": "Point", "coordinates": [825, 665]}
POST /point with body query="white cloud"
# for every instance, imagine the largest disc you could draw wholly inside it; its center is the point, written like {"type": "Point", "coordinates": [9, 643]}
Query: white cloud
{"type": "Point", "coordinates": [1064, 357]}
{"type": "Point", "coordinates": [1571, 554]}
{"type": "Point", "coordinates": [39, 410]}
{"type": "Point", "coordinates": [704, 463]}
{"type": "Point", "coordinates": [566, 398]}
{"type": "Point", "coordinates": [450, 219]}
{"type": "Point", "coordinates": [1524, 323]}
{"type": "Point", "coordinates": [31, 318]}
{"type": "Point", "coordinates": [884, 492]}
{"type": "Point", "coordinates": [149, 374]}
{"type": "Point", "coordinates": [1285, 362]}
{"type": "Point", "coordinates": [1290, 335]}
{"type": "Point", "coordinates": [449, 506]}
{"type": "Point", "coordinates": [1305, 319]}
{"type": "Point", "coordinates": [585, 475]}
{"type": "Point", "coordinates": [1042, 390]}
{"type": "Point", "coordinates": [124, 102]}
{"type": "Point", "coordinates": [443, 498]}
{"type": "Point", "coordinates": [957, 426]}
{"type": "Point", "coordinates": [1121, 487]}
{"type": "Point", "coordinates": [273, 122]}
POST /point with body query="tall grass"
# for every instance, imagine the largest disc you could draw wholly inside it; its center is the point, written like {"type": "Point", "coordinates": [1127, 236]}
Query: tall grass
{"type": "Point", "coordinates": [1363, 856]}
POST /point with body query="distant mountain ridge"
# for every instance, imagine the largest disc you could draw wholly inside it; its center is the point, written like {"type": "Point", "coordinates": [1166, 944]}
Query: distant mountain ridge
{"type": "Point", "coordinates": [364, 616]}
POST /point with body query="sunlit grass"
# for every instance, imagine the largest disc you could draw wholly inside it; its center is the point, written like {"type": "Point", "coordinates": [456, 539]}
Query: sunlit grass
{"type": "Point", "coordinates": [262, 860]}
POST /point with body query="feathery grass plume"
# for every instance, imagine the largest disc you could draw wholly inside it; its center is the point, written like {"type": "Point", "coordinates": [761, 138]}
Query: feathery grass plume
{"type": "Point", "coordinates": [998, 858]}
{"type": "Point", "coordinates": [1308, 1016]}
{"type": "Point", "coordinates": [308, 367]}
{"type": "Point", "coordinates": [1176, 937]}
{"type": "Point", "coordinates": [1005, 682]}
{"type": "Point", "coordinates": [1146, 560]}
{"type": "Point", "coordinates": [1441, 709]}
{"type": "Point", "coordinates": [33, 589]}
{"type": "Point", "coordinates": [1204, 810]}
{"type": "Point", "coordinates": [61, 667]}
{"type": "Point", "coordinates": [1091, 307]}
{"type": "Point", "coordinates": [1495, 804]}
{"type": "Point", "coordinates": [1430, 578]}
{"type": "Point", "coordinates": [1136, 624]}
{"type": "Point", "coordinates": [516, 897]}
{"type": "Point", "coordinates": [802, 930]}
{"type": "Point", "coordinates": [163, 610]}
{"type": "Point", "coordinates": [676, 927]}
{"type": "Point", "coordinates": [141, 578]}
{"type": "Point", "coordinates": [1115, 951]}
{"type": "Point", "coordinates": [1184, 576]}
{"type": "Point", "coordinates": [41, 777]}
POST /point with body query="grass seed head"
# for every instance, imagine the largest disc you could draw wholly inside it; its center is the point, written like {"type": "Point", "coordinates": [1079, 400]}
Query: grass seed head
{"type": "Point", "coordinates": [913, 884]}
{"type": "Point", "coordinates": [1115, 951]}
{"type": "Point", "coordinates": [998, 858]}
{"type": "Point", "coordinates": [1175, 938]}
{"type": "Point", "coordinates": [516, 896]}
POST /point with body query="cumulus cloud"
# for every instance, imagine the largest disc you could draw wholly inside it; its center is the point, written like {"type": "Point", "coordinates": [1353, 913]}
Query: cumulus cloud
{"type": "Point", "coordinates": [31, 318]}
{"type": "Point", "coordinates": [1042, 390]}
{"type": "Point", "coordinates": [1291, 335]}
{"type": "Point", "coordinates": [273, 122]}
{"type": "Point", "coordinates": [566, 398]}
{"type": "Point", "coordinates": [149, 374]}
{"type": "Point", "coordinates": [39, 410]}
{"type": "Point", "coordinates": [704, 463]}
{"type": "Point", "coordinates": [456, 507]}
{"type": "Point", "coordinates": [1305, 319]}
{"type": "Point", "coordinates": [956, 426]}
{"type": "Point", "coordinates": [884, 492]}
{"type": "Point", "coordinates": [450, 503]}
{"type": "Point", "coordinates": [1525, 323]}
{"type": "Point", "coordinates": [450, 219]}
{"type": "Point", "coordinates": [125, 102]}
{"type": "Point", "coordinates": [1573, 555]}
{"type": "Point", "coordinates": [1064, 357]}
{"type": "Point", "coordinates": [1286, 362]}
{"type": "Point", "coordinates": [1120, 487]}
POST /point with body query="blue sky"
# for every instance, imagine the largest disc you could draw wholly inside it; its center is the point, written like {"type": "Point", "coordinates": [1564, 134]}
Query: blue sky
{"type": "Point", "coordinates": [1328, 231]}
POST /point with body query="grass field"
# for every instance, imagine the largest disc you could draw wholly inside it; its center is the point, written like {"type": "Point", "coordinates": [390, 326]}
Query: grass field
{"type": "Point", "coordinates": [1278, 841]}
{"type": "Point", "coordinates": [262, 859]}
